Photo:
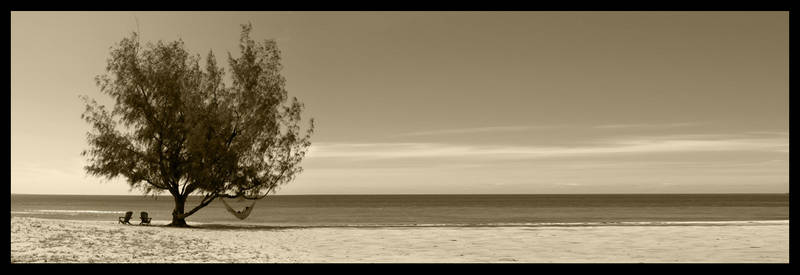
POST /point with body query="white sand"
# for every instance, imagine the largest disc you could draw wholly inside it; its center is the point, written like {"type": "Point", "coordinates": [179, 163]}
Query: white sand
{"type": "Point", "coordinates": [44, 240]}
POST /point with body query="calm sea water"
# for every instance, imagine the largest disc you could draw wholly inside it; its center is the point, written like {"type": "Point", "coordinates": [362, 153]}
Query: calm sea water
{"type": "Point", "coordinates": [463, 210]}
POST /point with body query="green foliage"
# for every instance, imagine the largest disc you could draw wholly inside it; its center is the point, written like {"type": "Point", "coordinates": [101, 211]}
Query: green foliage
{"type": "Point", "coordinates": [176, 127]}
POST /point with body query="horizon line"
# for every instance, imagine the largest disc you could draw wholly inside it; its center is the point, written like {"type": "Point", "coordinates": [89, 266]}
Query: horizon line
{"type": "Point", "coordinates": [441, 194]}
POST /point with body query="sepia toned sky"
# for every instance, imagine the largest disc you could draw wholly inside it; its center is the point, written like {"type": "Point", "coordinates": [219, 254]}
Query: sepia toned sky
{"type": "Point", "coordinates": [455, 102]}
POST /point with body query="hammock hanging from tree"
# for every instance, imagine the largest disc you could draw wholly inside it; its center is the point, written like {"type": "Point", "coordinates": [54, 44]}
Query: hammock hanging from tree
{"type": "Point", "coordinates": [239, 214]}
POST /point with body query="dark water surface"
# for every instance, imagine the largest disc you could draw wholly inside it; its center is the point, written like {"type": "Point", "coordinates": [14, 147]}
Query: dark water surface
{"type": "Point", "coordinates": [359, 210]}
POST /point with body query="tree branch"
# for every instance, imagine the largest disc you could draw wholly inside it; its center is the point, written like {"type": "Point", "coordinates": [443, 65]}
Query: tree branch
{"type": "Point", "coordinates": [275, 183]}
{"type": "Point", "coordinates": [154, 184]}
{"type": "Point", "coordinates": [205, 202]}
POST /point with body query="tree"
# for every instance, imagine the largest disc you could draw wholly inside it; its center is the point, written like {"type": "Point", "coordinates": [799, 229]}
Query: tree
{"type": "Point", "coordinates": [176, 127]}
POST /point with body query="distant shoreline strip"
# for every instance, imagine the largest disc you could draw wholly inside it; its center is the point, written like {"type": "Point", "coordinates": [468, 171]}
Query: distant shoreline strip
{"type": "Point", "coordinates": [74, 212]}
{"type": "Point", "coordinates": [463, 225]}
{"type": "Point", "coordinates": [266, 226]}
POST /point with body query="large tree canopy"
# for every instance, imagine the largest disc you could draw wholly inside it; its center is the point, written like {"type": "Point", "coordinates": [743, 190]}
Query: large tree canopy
{"type": "Point", "coordinates": [177, 127]}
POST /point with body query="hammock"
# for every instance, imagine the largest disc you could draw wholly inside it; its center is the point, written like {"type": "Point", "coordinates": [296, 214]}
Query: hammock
{"type": "Point", "coordinates": [239, 214]}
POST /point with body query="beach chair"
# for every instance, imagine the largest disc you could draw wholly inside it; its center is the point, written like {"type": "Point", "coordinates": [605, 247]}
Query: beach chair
{"type": "Point", "coordinates": [145, 219]}
{"type": "Point", "coordinates": [127, 218]}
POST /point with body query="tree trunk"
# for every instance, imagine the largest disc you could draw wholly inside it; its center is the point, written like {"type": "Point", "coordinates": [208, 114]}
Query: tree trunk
{"type": "Point", "coordinates": [178, 219]}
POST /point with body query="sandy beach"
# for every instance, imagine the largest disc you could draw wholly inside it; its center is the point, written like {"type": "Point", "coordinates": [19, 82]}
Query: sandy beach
{"type": "Point", "coordinates": [72, 241]}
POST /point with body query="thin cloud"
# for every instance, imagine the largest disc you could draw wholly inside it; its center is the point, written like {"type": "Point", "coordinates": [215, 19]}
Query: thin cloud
{"type": "Point", "coordinates": [623, 146]}
{"type": "Point", "coordinates": [643, 125]}
{"type": "Point", "coordinates": [476, 130]}
{"type": "Point", "coordinates": [522, 128]}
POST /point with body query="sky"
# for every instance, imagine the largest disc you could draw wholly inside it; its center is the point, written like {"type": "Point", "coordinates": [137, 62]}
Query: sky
{"type": "Point", "coordinates": [454, 102]}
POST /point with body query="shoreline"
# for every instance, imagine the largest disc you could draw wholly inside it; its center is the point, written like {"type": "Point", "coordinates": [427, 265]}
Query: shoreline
{"type": "Point", "coordinates": [252, 225]}
{"type": "Point", "coordinates": [86, 241]}
{"type": "Point", "coordinates": [256, 226]}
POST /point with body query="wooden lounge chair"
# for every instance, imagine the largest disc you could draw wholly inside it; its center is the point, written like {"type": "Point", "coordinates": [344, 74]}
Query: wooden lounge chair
{"type": "Point", "coordinates": [127, 218]}
{"type": "Point", "coordinates": [145, 219]}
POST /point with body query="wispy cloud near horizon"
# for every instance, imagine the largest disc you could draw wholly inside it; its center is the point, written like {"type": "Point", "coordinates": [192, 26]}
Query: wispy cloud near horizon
{"type": "Point", "coordinates": [648, 125]}
{"type": "Point", "coordinates": [523, 128]}
{"type": "Point", "coordinates": [493, 129]}
{"type": "Point", "coordinates": [639, 145]}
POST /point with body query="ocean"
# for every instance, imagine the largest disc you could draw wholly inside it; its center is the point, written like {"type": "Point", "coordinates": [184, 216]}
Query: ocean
{"type": "Point", "coordinates": [422, 210]}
